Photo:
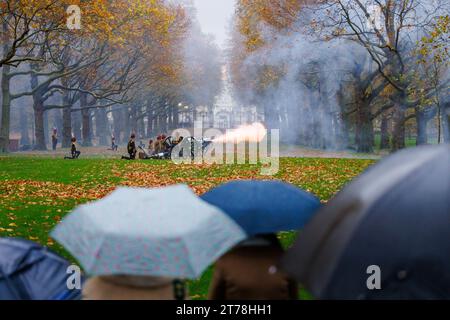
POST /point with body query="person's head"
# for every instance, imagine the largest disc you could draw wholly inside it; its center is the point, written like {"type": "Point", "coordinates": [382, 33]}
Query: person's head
{"type": "Point", "coordinates": [151, 141]}
{"type": "Point", "coordinates": [138, 281]}
{"type": "Point", "coordinates": [119, 287]}
{"type": "Point", "coordinates": [259, 240]}
{"type": "Point", "coordinates": [74, 139]}
{"type": "Point", "coordinates": [133, 136]}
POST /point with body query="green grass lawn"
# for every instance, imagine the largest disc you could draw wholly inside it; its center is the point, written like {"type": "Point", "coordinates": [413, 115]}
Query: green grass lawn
{"type": "Point", "coordinates": [35, 193]}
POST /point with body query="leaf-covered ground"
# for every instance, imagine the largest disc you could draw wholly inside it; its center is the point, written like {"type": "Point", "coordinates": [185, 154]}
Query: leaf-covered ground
{"type": "Point", "coordinates": [35, 193]}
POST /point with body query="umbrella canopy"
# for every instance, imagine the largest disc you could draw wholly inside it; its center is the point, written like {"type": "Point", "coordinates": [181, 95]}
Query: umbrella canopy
{"type": "Point", "coordinates": [261, 207]}
{"type": "Point", "coordinates": [396, 216]}
{"type": "Point", "coordinates": [160, 232]}
{"type": "Point", "coordinates": [29, 271]}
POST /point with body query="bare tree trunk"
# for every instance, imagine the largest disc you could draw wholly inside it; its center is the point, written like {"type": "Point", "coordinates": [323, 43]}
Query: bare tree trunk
{"type": "Point", "coordinates": [67, 127]}
{"type": "Point", "coordinates": [86, 127]}
{"type": "Point", "coordinates": [132, 122]}
{"type": "Point", "coordinates": [25, 139]}
{"type": "Point", "coordinates": [101, 121]}
{"type": "Point", "coordinates": [398, 135]}
{"type": "Point", "coordinates": [162, 123]}
{"type": "Point", "coordinates": [344, 133]}
{"type": "Point", "coordinates": [384, 144]}
{"type": "Point", "coordinates": [127, 128]}
{"type": "Point", "coordinates": [176, 117]}
{"type": "Point", "coordinates": [271, 117]}
{"type": "Point", "coordinates": [149, 122]}
{"type": "Point", "coordinates": [117, 125]}
{"type": "Point", "coordinates": [156, 126]}
{"type": "Point", "coordinates": [422, 124]}
{"type": "Point", "coordinates": [364, 136]}
{"type": "Point", "coordinates": [6, 94]}
{"type": "Point", "coordinates": [170, 119]}
{"type": "Point", "coordinates": [39, 128]}
{"type": "Point", "coordinates": [46, 125]}
{"type": "Point", "coordinates": [57, 119]}
{"type": "Point", "coordinates": [39, 110]}
{"type": "Point", "coordinates": [445, 122]}
{"type": "Point", "coordinates": [6, 108]}
{"type": "Point", "coordinates": [76, 124]}
{"type": "Point", "coordinates": [210, 116]}
{"type": "Point", "coordinates": [86, 122]}
{"type": "Point", "coordinates": [141, 128]}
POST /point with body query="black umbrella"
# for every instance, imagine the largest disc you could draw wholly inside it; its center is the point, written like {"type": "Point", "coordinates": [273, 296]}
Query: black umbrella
{"type": "Point", "coordinates": [29, 271]}
{"type": "Point", "coordinates": [395, 217]}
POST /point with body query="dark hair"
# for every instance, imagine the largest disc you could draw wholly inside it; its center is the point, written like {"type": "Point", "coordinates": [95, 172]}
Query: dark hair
{"type": "Point", "coordinates": [270, 237]}
{"type": "Point", "coordinates": [133, 136]}
{"type": "Point", "coordinates": [74, 139]}
{"type": "Point", "coordinates": [267, 239]}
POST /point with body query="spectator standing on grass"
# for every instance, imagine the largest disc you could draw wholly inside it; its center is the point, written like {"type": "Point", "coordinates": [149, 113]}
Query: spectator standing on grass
{"type": "Point", "coordinates": [113, 143]}
{"type": "Point", "coordinates": [54, 138]}
{"type": "Point", "coordinates": [248, 272]}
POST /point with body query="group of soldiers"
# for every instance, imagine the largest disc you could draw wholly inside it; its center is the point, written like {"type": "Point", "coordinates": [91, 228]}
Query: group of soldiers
{"type": "Point", "coordinates": [160, 145]}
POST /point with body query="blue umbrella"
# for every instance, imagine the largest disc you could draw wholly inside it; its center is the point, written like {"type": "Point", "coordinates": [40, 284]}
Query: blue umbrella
{"type": "Point", "coordinates": [261, 207]}
{"type": "Point", "coordinates": [167, 232]}
{"type": "Point", "coordinates": [29, 271]}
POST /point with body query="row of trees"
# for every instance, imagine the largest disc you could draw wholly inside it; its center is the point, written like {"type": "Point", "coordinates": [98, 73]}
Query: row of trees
{"type": "Point", "coordinates": [333, 73]}
{"type": "Point", "coordinates": [128, 68]}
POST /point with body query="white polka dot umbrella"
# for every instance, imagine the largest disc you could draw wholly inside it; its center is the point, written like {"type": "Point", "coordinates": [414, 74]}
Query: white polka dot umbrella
{"type": "Point", "coordinates": [160, 232]}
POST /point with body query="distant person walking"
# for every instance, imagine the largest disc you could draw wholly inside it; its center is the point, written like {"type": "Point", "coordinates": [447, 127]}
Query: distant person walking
{"type": "Point", "coordinates": [113, 143]}
{"type": "Point", "coordinates": [54, 139]}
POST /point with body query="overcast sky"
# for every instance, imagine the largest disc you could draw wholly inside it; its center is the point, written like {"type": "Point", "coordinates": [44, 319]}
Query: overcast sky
{"type": "Point", "coordinates": [214, 17]}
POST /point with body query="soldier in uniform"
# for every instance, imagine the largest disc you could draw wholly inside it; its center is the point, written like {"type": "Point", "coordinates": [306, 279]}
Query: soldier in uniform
{"type": "Point", "coordinates": [131, 147]}
{"type": "Point", "coordinates": [73, 150]}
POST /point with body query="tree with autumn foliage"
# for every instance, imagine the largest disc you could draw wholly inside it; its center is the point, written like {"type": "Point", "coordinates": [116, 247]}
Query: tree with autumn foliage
{"type": "Point", "coordinates": [435, 61]}
{"type": "Point", "coordinates": [31, 32]}
{"type": "Point", "coordinates": [186, 75]}
{"type": "Point", "coordinates": [389, 31]}
{"type": "Point", "coordinates": [362, 54]}
{"type": "Point", "coordinates": [128, 60]}
{"type": "Point", "coordinates": [267, 67]}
